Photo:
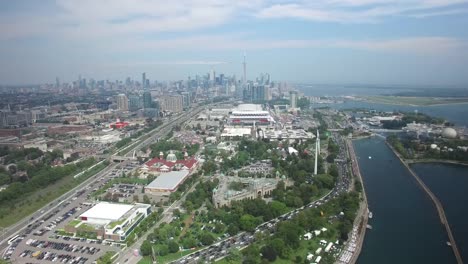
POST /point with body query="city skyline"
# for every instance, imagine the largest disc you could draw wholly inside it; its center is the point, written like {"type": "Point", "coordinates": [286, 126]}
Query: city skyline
{"type": "Point", "coordinates": [418, 42]}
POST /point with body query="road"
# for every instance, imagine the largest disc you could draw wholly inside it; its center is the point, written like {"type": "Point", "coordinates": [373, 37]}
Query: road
{"type": "Point", "coordinates": [56, 207]}
{"type": "Point", "coordinates": [221, 249]}
{"type": "Point", "coordinates": [127, 255]}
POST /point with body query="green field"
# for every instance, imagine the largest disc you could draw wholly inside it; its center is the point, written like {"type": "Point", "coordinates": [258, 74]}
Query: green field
{"type": "Point", "coordinates": [40, 198]}
{"type": "Point", "coordinates": [415, 101]}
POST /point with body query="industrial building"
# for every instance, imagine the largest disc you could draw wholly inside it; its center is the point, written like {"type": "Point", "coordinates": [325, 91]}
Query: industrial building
{"type": "Point", "coordinates": [110, 220]}
{"type": "Point", "coordinates": [167, 183]}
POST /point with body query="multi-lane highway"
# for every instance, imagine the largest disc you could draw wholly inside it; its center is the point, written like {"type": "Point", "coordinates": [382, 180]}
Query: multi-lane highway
{"type": "Point", "coordinates": [23, 229]}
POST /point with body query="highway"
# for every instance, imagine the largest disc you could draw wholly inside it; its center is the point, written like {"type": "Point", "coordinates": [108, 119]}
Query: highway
{"type": "Point", "coordinates": [56, 207]}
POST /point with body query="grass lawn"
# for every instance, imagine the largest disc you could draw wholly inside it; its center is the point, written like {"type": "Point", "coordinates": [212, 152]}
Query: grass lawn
{"type": "Point", "coordinates": [33, 202]}
{"type": "Point", "coordinates": [145, 260]}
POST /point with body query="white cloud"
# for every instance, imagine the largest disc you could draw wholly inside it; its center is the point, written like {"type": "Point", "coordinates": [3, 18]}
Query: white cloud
{"type": "Point", "coordinates": [412, 45]}
{"type": "Point", "coordinates": [361, 11]}
{"type": "Point", "coordinates": [421, 45]}
{"type": "Point", "coordinates": [95, 19]}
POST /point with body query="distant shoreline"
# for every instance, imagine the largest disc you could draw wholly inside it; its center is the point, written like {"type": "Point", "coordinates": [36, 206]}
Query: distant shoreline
{"type": "Point", "coordinates": [453, 162]}
{"type": "Point", "coordinates": [376, 101]}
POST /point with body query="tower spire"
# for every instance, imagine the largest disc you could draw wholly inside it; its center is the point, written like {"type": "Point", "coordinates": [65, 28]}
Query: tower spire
{"type": "Point", "coordinates": [317, 152]}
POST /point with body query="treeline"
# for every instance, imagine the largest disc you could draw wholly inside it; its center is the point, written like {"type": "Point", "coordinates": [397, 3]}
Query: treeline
{"type": "Point", "coordinates": [164, 146]}
{"type": "Point", "coordinates": [286, 241]}
{"type": "Point", "coordinates": [40, 179]}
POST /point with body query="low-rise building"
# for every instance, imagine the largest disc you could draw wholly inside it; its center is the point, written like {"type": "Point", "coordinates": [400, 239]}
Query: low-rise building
{"type": "Point", "coordinates": [167, 183]}
{"type": "Point", "coordinates": [109, 220]}
{"type": "Point", "coordinates": [171, 163]}
{"type": "Point", "coordinates": [253, 188]}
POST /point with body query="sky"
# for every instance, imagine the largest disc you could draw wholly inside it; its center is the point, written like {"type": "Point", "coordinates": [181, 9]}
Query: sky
{"type": "Point", "coordinates": [404, 42]}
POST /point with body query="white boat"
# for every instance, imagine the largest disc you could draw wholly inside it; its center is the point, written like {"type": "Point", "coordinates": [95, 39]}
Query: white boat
{"type": "Point", "coordinates": [370, 157]}
{"type": "Point", "coordinates": [370, 215]}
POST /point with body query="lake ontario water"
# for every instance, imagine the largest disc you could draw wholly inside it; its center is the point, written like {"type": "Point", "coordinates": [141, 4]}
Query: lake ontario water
{"type": "Point", "coordinates": [406, 226]}
{"type": "Point", "coordinates": [449, 183]}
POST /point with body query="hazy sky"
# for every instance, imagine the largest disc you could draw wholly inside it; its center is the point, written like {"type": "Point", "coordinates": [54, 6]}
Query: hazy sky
{"type": "Point", "coordinates": [321, 41]}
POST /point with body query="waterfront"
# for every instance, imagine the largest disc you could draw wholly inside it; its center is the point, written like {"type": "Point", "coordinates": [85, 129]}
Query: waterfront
{"type": "Point", "coordinates": [455, 113]}
{"type": "Point", "coordinates": [406, 226]}
{"type": "Point", "coordinates": [449, 183]}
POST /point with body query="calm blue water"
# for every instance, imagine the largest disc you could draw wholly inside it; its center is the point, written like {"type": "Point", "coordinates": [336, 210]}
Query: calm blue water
{"type": "Point", "coordinates": [456, 113]}
{"type": "Point", "coordinates": [449, 183]}
{"type": "Point", "coordinates": [406, 227]}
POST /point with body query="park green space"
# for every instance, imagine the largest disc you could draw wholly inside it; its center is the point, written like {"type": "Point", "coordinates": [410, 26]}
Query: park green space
{"type": "Point", "coordinates": [287, 245]}
{"type": "Point", "coordinates": [29, 203]}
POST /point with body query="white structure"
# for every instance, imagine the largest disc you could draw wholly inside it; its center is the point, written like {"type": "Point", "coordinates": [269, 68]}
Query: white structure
{"type": "Point", "coordinates": [329, 246]}
{"type": "Point", "coordinates": [317, 152]}
{"type": "Point", "coordinates": [103, 213]}
{"type": "Point", "coordinates": [236, 132]}
{"type": "Point", "coordinates": [249, 114]}
{"type": "Point", "coordinates": [318, 251]}
{"type": "Point", "coordinates": [110, 220]}
{"type": "Point", "coordinates": [167, 182]}
{"type": "Point", "coordinates": [449, 132]}
{"type": "Point", "coordinates": [293, 99]}
{"type": "Point", "coordinates": [122, 102]}
{"type": "Point", "coordinates": [307, 236]}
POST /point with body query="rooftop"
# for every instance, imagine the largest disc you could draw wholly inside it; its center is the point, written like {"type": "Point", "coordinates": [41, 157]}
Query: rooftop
{"type": "Point", "coordinates": [107, 211]}
{"type": "Point", "coordinates": [168, 180]}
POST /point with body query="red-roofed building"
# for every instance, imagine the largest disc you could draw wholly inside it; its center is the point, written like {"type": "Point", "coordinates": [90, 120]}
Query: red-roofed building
{"type": "Point", "coordinates": [161, 165]}
{"type": "Point", "coordinates": [119, 125]}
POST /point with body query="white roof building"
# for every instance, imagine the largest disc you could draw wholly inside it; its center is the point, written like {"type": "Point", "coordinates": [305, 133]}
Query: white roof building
{"type": "Point", "coordinates": [167, 182]}
{"type": "Point", "coordinates": [103, 213]}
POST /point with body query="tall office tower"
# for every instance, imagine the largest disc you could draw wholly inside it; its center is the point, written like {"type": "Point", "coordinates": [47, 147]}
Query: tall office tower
{"type": "Point", "coordinates": [57, 82]}
{"type": "Point", "coordinates": [267, 93]}
{"type": "Point", "coordinates": [258, 92]}
{"type": "Point", "coordinates": [187, 99]}
{"type": "Point", "coordinates": [212, 75]}
{"type": "Point", "coordinates": [143, 80]}
{"type": "Point", "coordinates": [172, 103]}
{"type": "Point", "coordinates": [147, 100]}
{"type": "Point", "coordinates": [244, 81]}
{"type": "Point", "coordinates": [293, 99]}
{"type": "Point", "coordinates": [134, 102]}
{"type": "Point", "coordinates": [122, 102]}
{"type": "Point", "coordinates": [267, 78]}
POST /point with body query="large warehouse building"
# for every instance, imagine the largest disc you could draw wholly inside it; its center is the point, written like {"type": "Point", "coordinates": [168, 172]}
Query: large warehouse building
{"type": "Point", "coordinates": [110, 220]}
{"type": "Point", "coordinates": [167, 183]}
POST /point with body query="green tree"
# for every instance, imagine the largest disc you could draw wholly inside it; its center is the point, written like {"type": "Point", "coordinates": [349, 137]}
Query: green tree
{"type": "Point", "coordinates": [162, 249]}
{"type": "Point", "coordinates": [173, 246]}
{"type": "Point", "coordinates": [248, 222]}
{"type": "Point", "coordinates": [145, 248]}
{"type": "Point", "coordinates": [207, 239]}
{"type": "Point", "coordinates": [269, 253]}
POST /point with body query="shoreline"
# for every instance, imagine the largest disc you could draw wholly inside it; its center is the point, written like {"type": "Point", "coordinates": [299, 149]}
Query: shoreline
{"type": "Point", "coordinates": [437, 203]}
{"type": "Point", "coordinates": [453, 162]}
{"type": "Point", "coordinates": [361, 219]}
{"type": "Point", "coordinates": [406, 104]}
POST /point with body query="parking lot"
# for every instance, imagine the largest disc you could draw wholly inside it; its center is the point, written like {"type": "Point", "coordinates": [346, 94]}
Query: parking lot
{"type": "Point", "coordinates": [40, 242]}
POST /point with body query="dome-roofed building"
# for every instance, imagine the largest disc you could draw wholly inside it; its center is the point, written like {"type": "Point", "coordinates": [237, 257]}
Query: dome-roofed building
{"type": "Point", "coordinates": [171, 157]}
{"type": "Point", "coordinates": [449, 132]}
